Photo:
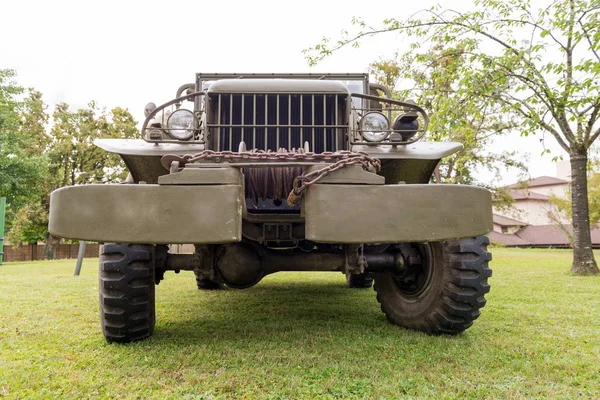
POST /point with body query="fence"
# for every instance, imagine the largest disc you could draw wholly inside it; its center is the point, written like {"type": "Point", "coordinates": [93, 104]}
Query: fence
{"type": "Point", "coordinates": [36, 252]}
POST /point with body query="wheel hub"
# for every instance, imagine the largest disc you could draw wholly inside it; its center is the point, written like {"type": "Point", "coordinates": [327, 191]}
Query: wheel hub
{"type": "Point", "coordinates": [414, 278]}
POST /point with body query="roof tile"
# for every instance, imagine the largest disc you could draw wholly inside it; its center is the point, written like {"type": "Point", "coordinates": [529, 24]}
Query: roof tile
{"type": "Point", "coordinates": [539, 181]}
{"type": "Point", "coordinates": [505, 221]}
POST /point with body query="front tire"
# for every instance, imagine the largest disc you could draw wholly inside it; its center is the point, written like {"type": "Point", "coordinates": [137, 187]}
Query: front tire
{"type": "Point", "coordinates": [127, 292]}
{"type": "Point", "coordinates": [441, 292]}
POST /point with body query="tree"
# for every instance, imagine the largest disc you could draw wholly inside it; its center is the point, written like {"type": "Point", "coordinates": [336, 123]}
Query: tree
{"type": "Point", "coordinates": [30, 224]}
{"type": "Point", "coordinates": [35, 160]}
{"type": "Point", "coordinates": [73, 157]}
{"type": "Point", "coordinates": [34, 120]}
{"type": "Point", "coordinates": [543, 65]}
{"type": "Point", "coordinates": [64, 155]}
{"type": "Point", "coordinates": [474, 122]}
{"type": "Point", "coordinates": [21, 171]}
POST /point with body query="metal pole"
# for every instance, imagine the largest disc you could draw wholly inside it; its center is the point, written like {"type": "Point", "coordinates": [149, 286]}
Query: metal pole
{"type": "Point", "coordinates": [2, 210]}
{"type": "Point", "coordinates": [80, 257]}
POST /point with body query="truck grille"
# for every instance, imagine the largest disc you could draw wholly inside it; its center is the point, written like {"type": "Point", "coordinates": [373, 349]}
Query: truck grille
{"type": "Point", "coordinates": [273, 121]}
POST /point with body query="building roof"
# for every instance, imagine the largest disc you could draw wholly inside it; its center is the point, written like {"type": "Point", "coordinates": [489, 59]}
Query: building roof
{"type": "Point", "coordinates": [504, 221]}
{"type": "Point", "coordinates": [539, 181]}
{"type": "Point", "coordinates": [541, 236]}
{"type": "Point", "coordinates": [510, 240]}
{"type": "Point", "coordinates": [545, 235]}
{"type": "Point", "coordinates": [522, 194]}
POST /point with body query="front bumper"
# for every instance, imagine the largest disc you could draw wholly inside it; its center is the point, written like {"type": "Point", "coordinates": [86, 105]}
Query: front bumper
{"type": "Point", "coordinates": [204, 214]}
{"type": "Point", "coordinates": [152, 214]}
{"type": "Point", "coordinates": [396, 213]}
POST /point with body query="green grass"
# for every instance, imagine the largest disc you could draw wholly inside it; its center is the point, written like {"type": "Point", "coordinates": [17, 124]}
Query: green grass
{"type": "Point", "coordinates": [301, 335]}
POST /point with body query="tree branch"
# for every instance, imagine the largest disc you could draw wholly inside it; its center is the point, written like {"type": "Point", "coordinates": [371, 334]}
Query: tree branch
{"type": "Point", "coordinates": [587, 36]}
{"type": "Point", "coordinates": [590, 125]}
{"type": "Point", "coordinates": [594, 137]}
{"type": "Point", "coordinates": [533, 115]}
{"type": "Point", "coordinates": [533, 24]}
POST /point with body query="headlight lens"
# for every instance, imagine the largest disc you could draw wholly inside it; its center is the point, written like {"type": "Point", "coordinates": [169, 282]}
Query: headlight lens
{"type": "Point", "coordinates": [406, 126]}
{"type": "Point", "coordinates": [181, 124]}
{"type": "Point", "coordinates": [374, 127]}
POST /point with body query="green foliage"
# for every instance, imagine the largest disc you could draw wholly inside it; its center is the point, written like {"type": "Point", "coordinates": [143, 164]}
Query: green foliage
{"type": "Point", "coordinates": [73, 157]}
{"type": "Point", "coordinates": [301, 335]}
{"type": "Point", "coordinates": [21, 170]}
{"type": "Point", "coordinates": [439, 87]}
{"type": "Point", "coordinates": [29, 225]}
{"type": "Point", "coordinates": [36, 159]}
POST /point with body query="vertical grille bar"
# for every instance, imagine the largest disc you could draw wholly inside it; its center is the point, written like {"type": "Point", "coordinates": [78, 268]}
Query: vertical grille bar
{"type": "Point", "coordinates": [312, 122]}
{"type": "Point", "coordinates": [243, 120]}
{"type": "Point", "coordinates": [230, 122]}
{"type": "Point", "coordinates": [301, 121]}
{"type": "Point", "coordinates": [325, 122]}
{"type": "Point", "coordinates": [277, 135]}
{"type": "Point", "coordinates": [266, 121]}
{"type": "Point", "coordinates": [253, 122]}
{"type": "Point", "coordinates": [337, 146]}
{"type": "Point", "coordinates": [289, 121]}
{"type": "Point", "coordinates": [219, 119]}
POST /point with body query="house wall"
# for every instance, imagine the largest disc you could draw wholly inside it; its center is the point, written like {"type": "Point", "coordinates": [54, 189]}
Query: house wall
{"type": "Point", "coordinates": [533, 212]}
{"type": "Point", "coordinates": [557, 190]}
{"type": "Point", "coordinates": [497, 228]}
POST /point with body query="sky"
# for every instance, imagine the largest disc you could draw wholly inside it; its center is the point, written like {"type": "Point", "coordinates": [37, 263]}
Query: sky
{"type": "Point", "coordinates": [128, 53]}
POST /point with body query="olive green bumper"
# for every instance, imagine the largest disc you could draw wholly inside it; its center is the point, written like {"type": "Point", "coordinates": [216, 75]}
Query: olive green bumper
{"type": "Point", "coordinates": [148, 213]}
{"type": "Point", "coordinates": [396, 213]}
{"type": "Point", "coordinates": [203, 214]}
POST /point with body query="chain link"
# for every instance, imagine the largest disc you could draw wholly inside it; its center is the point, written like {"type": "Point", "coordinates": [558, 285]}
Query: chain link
{"type": "Point", "coordinates": [338, 160]}
{"type": "Point", "coordinates": [303, 182]}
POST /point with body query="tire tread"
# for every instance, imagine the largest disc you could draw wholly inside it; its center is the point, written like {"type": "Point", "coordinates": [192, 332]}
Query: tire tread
{"type": "Point", "coordinates": [126, 275]}
{"type": "Point", "coordinates": [465, 283]}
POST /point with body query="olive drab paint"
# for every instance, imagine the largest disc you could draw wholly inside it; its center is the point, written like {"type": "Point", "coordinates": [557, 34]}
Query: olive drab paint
{"type": "Point", "coordinates": [264, 173]}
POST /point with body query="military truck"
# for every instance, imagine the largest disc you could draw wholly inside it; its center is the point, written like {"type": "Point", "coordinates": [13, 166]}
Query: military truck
{"type": "Point", "coordinates": [284, 172]}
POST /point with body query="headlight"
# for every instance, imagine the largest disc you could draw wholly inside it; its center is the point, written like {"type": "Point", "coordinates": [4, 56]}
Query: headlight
{"type": "Point", "coordinates": [406, 126]}
{"type": "Point", "coordinates": [181, 124]}
{"type": "Point", "coordinates": [374, 127]}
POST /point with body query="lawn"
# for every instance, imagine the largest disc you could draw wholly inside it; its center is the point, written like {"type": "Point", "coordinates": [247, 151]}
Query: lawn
{"type": "Point", "coordinates": [300, 335]}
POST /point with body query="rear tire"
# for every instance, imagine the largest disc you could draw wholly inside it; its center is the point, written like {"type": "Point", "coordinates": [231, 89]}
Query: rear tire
{"type": "Point", "coordinates": [359, 281]}
{"type": "Point", "coordinates": [127, 292]}
{"type": "Point", "coordinates": [444, 292]}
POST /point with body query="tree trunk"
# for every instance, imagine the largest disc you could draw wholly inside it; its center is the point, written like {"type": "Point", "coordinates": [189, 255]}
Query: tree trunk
{"type": "Point", "coordinates": [51, 243]}
{"type": "Point", "coordinates": [583, 257]}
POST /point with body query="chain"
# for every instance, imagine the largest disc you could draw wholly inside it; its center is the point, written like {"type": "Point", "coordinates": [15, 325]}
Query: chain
{"type": "Point", "coordinates": [338, 160]}
{"type": "Point", "coordinates": [303, 182]}
{"type": "Point", "coordinates": [258, 155]}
